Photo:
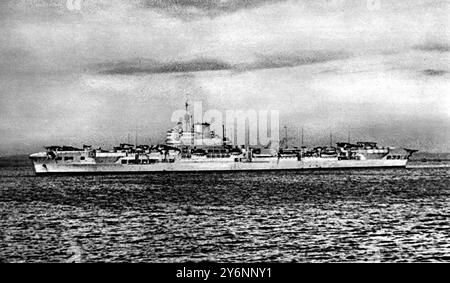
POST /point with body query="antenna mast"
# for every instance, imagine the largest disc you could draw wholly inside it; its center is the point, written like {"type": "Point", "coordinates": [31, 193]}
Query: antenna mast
{"type": "Point", "coordinates": [135, 139]}
{"type": "Point", "coordinates": [286, 137]}
{"type": "Point", "coordinates": [302, 137]}
{"type": "Point", "coordinates": [223, 135]}
{"type": "Point", "coordinates": [331, 139]}
{"type": "Point", "coordinates": [186, 116]}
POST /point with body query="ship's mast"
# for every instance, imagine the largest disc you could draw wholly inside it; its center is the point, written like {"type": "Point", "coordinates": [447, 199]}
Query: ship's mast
{"type": "Point", "coordinates": [286, 137]}
{"type": "Point", "coordinates": [135, 139]}
{"type": "Point", "coordinates": [302, 138]}
{"type": "Point", "coordinates": [186, 116]}
{"type": "Point", "coordinates": [331, 139]}
{"type": "Point", "coordinates": [202, 128]}
{"type": "Point", "coordinates": [192, 132]}
{"type": "Point", "coordinates": [223, 135]}
{"type": "Point", "coordinates": [247, 135]}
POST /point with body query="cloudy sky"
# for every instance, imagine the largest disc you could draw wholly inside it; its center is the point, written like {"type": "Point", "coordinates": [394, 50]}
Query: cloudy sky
{"type": "Point", "coordinates": [379, 68]}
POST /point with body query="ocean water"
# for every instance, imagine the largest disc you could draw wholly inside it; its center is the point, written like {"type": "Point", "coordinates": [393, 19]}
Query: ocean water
{"type": "Point", "coordinates": [399, 215]}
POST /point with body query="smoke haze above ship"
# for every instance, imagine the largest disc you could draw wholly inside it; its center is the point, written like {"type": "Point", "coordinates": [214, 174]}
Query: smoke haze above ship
{"type": "Point", "coordinates": [95, 75]}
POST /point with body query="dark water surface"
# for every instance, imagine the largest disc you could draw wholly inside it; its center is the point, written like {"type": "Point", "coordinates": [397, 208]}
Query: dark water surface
{"type": "Point", "coordinates": [329, 216]}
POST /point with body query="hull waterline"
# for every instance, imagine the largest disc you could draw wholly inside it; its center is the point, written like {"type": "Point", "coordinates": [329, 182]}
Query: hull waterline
{"type": "Point", "coordinates": [284, 165]}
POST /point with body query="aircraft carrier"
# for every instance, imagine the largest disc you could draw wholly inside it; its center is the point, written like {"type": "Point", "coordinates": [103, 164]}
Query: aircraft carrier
{"type": "Point", "coordinates": [194, 147]}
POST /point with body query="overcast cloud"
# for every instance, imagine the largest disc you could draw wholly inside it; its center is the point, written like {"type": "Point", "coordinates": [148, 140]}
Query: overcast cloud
{"type": "Point", "coordinates": [95, 75]}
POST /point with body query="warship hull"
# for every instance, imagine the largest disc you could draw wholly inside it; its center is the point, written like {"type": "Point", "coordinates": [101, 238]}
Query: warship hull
{"type": "Point", "coordinates": [272, 164]}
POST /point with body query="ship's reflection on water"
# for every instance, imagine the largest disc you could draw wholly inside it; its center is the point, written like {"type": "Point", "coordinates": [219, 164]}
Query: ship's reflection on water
{"type": "Point", "coordinates": [337, 216]}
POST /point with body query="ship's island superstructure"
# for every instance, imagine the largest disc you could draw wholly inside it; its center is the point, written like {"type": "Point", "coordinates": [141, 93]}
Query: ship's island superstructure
{"type": "Point", "coordinates": [194, 147]}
